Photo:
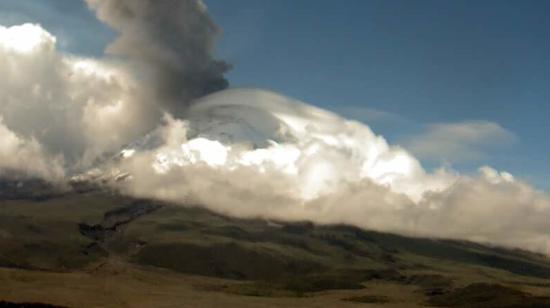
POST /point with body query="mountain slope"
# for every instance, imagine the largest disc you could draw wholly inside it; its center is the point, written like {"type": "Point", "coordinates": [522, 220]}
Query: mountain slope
{"type": "Point", "coordinates": [101, 232]}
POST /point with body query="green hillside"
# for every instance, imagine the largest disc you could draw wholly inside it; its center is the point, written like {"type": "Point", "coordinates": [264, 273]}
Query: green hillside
{"type": "Point", "coordinates": [99, 233]}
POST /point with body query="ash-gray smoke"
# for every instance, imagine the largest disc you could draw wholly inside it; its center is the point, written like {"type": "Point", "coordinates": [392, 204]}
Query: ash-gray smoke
{"type": "Point", "coordinates": [172, 40]}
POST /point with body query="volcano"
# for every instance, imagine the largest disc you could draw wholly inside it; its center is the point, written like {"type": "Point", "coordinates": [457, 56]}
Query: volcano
{"type": "Point", "coordinates": [267, 132]}
{"type": "Point", "coordinates": [190, 234]}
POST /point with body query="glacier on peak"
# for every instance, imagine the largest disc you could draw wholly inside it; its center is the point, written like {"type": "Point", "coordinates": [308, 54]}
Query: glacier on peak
{"type": "Point", "coordinates": [273, 133]}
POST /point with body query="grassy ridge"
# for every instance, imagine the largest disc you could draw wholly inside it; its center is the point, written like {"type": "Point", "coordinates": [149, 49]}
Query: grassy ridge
{"type": "Point", "coordinates": [59, 234]}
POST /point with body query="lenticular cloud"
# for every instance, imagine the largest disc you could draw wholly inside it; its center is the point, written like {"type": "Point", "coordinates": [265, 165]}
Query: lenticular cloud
{"type": "Point", "coordinates": [241, 152]}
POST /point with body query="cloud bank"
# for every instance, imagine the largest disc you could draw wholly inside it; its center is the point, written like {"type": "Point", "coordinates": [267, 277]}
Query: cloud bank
{"type": "Point", "coordinates": [246, 153]}
{"type": "Point", "coordinates": [252, 153]}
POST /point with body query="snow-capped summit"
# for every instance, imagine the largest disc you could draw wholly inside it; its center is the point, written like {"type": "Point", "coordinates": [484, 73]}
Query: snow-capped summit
{"type": "Point", "coordinates": [272, 133]}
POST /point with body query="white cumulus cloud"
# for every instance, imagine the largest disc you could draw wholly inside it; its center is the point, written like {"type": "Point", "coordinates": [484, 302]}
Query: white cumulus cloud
{"type": "Point", "coordinates": [252, 153]}
{"type": "Point", "coordinates": [26, 157]}
{"type": "Point", "coordinates": [71, 107]}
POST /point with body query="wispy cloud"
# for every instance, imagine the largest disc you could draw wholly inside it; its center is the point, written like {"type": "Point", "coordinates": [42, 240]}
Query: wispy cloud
{"type": "Point", "coordinates": [459, 142]}
{"type": "Point", "coordinates": [370, 115]}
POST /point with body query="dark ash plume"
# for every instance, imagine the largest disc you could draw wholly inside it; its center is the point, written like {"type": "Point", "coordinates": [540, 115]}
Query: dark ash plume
{"type": "Point", "coordinates": [173, 40]}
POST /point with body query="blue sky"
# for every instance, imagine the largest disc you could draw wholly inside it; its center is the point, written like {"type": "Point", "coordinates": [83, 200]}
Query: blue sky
{"type": "Point", "coordinates": [464, 83]}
